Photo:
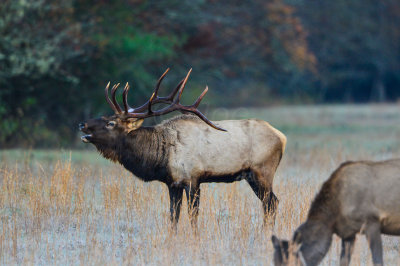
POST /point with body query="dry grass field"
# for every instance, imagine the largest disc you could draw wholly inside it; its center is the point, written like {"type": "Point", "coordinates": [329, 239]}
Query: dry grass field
{"type": "Point", "coordinates": [73, 207]}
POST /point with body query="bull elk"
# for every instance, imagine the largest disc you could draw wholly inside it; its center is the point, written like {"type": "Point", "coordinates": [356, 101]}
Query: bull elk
{"type": "Point", "coordinates": [360, 197]}
{"type": "Point", "coordinates": [187, 150]}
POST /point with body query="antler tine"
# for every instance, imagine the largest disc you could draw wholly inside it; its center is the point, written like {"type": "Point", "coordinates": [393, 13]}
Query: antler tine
{"type": "Point", "coordinates": [108, 98]}
{"type": "Point", "coordinates": [125, 98]}
{"type": "Point", "coordinates": [197, 102]}
{"type": "Point", "coordinates": [159, 82]}
{"type": "Point", "coordinates": [203, 117]}
{"type": "Point", "coordinates": [193, 109]}
{"type": "Point", "coordinates": [113, 90]}
{"type": "Point", "coordinates": [183, 85]}
{"type": "Point", "coordinates": [151, 102]}
{"type": "Point", "coordinates": [156, 91]}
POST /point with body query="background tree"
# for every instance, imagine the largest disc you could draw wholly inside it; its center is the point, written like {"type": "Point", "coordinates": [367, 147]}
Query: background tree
{"type": "Point", "coordinates": [357, 46]}
{"type": "Point", "coordinates": [38, 41]}
{"type": "Point", "coordinates": [57, 56]}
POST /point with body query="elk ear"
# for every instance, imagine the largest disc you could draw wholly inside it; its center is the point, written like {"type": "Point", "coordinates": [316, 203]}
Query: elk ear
{"type": "Point", "coordinates": [133, 124]}
{"type": "Point", "coordinates": [276, 242]}
{"type": "Point", "coordinates": [297, 237]}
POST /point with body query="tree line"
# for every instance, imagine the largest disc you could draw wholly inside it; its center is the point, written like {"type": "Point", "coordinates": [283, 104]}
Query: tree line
{"type": "Point", "coordinates": [57, 56]}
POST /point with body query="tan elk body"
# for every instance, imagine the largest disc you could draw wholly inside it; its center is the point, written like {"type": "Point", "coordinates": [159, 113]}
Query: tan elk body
{"type": "Point", "coordinates": [201, 153]}
{"type": "Point", "coordinates": [359, 197]}
{"type": "Point", "coordinates": [188, 150]}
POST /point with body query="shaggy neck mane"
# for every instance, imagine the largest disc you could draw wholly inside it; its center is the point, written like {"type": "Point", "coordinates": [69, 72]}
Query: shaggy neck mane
{"type": "Point", "coordinates": [324, 207]}
{"type": "Point", "coordinates": [144, 152]}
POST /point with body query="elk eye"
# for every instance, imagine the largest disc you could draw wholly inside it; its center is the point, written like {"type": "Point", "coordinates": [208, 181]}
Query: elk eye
{"type": "Point", "coordinates": [111, 124]}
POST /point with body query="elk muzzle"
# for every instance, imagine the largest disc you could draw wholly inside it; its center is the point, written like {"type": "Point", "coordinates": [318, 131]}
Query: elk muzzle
{"type": "Point", "coordinates": [83, 128]}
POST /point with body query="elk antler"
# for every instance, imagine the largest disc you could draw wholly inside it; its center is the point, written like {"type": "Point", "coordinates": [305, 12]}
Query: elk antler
{"type": "Point", "coordinates": [113, 91]}
{"type": "Point", "coordinates": [108, 99]}
{"type": "Point", "coordinates": [145, 110]}
{"type": "Point", "coordinates": [117, 109]}
{"type": "Point", "coordinates": [157, 99]}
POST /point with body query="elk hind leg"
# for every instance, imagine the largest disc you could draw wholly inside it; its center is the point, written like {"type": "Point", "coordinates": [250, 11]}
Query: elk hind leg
{"type": "Point", "coordinates": [264, 192]}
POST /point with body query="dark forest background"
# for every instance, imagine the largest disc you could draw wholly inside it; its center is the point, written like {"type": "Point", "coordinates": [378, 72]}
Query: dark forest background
{"type": "Point", "coordinates": [57, 56]}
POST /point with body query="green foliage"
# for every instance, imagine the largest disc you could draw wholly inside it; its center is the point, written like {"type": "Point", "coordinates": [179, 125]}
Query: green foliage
{"type": "Point", "coordinates": [36, 38]}
{"type": "Point", "coordinates": [54, 57]}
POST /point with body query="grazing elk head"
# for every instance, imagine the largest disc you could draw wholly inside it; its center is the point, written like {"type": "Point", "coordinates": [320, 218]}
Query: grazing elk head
{"type": "Point", "coordinates": [286, 252]}
{"type": "Point", "coordinates": [108, 129]}
{"type": "Point", "coordinates": [309, 245]}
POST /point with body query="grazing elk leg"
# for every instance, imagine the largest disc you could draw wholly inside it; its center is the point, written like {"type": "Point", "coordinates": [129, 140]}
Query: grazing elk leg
{"type": "Point", "coordinates": [193, 199]}
{"type": "Point", "coordinates": [347, 250]}
{"type": "Point", "coordinates": [175, 197]}
{"type": "Point", "coordinates": [267, 197]}
{"type": "Point", "coordinates": [373, 234]}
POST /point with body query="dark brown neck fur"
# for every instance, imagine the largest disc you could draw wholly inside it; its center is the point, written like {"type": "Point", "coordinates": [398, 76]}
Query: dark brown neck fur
{"type": "Point", "coordinates": [144, 152]}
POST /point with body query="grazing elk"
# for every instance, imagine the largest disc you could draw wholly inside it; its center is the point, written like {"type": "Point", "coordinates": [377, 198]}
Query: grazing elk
{"type": "Point", "coordinates": [360, 197]}
{"type": "Point", "coordinates": [188, 150]}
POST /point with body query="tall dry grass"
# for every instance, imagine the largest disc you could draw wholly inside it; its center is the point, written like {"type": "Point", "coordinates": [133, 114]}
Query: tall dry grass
{"type": "Point", "coordinates": [75, 208]}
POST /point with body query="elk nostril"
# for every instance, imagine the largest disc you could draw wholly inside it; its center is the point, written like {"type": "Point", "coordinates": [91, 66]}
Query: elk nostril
{"type": "Point", "coordinates": [82, 126]}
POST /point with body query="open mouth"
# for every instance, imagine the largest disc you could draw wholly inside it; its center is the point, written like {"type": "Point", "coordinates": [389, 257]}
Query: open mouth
{"type": "Point", "coordinates": [86, 138]}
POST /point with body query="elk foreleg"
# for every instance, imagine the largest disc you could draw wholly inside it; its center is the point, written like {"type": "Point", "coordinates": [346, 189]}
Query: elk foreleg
{"type": "Point", "coordinates": [373, 234]}
{"type": "Point", "coordinates": [270, 205]}
{"type": "Point", "coordinates": [193, 199]}
{"type": "Point", "coordinates": [347, 250]}
{"type": "Point", "coordinates": [175, 197]}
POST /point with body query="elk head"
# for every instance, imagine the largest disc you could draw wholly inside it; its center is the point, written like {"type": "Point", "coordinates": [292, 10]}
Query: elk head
{"type": "Point", "coordinates": [107, 130]}
{"type": "Point", "coordinates": [286, 252]}
{"type": "Point", "coordinates": [308, 246]}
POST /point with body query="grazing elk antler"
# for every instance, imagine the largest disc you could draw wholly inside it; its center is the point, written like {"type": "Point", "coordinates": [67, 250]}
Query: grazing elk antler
{"type": "Point", "coordinates": [175, 105]}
